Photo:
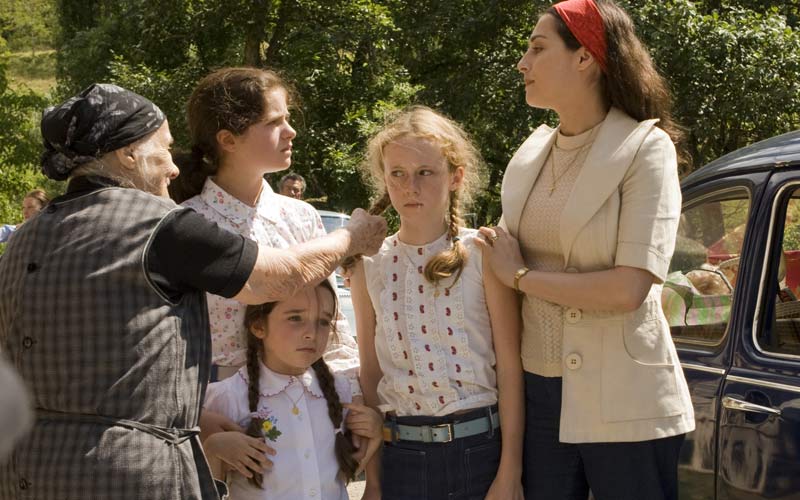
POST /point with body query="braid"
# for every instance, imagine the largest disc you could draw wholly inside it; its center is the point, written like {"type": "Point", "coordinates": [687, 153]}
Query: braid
{"type": "Point", "coordinates": [195, 167]}
{"type": "Point", "coordinates": [343, 446]}
{"type": "Point", "coordinates": [451, 261]}
{"type": "Point", "coordinates": [253, 372]}
{"type": "Point", "coordinates": [377, 208]}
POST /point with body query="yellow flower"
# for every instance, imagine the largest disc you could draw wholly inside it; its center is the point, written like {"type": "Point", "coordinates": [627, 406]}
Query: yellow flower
{"type": "Point", "coordinates": [267, 425]}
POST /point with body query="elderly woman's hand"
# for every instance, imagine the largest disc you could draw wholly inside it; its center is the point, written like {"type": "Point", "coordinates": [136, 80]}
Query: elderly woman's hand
{"type": "Point", "coordinates": [503, 253]}
{"type": "Point", "coordinates": [366, 232]}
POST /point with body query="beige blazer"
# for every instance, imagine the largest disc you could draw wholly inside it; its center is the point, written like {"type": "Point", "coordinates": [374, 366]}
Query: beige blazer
{"type": "Point", "coordinates": [622, 380]}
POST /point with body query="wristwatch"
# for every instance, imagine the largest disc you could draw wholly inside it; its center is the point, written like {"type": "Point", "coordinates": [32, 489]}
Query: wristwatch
{"type": "Point", "coordinates": [518, 276]}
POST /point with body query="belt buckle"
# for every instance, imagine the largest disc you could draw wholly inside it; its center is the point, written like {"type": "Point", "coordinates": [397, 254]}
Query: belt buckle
{"type": "Point", "coordinates": [450, 432]}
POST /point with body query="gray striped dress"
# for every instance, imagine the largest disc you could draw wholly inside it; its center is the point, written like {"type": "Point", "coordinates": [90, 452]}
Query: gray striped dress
{"type": "Point", "coordinates": [116, 370]}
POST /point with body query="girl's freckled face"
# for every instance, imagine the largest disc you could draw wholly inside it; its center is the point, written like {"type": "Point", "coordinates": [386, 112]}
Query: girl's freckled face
{"type": "Point", "coordinates": [417, 177]}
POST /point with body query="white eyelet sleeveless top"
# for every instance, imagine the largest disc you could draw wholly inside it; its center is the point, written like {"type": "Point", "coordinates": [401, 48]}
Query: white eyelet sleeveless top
{"type": "Point", "coordinates": [434, 344]}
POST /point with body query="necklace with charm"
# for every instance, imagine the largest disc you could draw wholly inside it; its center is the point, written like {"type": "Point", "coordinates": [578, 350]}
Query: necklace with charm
{"type": "Point", "coordinates": [295, 409]}
{"type": "Point", "coordinates": [578, 152]}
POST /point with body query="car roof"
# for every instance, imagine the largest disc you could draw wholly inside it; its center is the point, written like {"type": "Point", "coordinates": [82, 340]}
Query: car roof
{"type": "Point", "coordinates": [775, 152]}
{"type": "Point", "coordinates": [328, 213]}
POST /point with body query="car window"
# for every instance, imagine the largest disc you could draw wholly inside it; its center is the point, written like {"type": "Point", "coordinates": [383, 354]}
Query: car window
{"type": "Point", "coordinates": [698, 293]}
{"type": "Point", "coordinates": [781, 335]}
{"type": "Point", "coordinates": [333, 222]}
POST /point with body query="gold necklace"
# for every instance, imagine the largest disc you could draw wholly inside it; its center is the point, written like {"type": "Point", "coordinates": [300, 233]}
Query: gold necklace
{"type": "Point", "coordinates": [578, 151]}
{"type": "Point", "coordinates": [295, 409]}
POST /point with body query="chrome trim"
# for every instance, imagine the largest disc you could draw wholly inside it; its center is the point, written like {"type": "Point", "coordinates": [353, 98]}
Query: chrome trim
{"type": "Point", "coordinates": [701, 368]}
{"type": "Point", "coordinates": [764, 383]}
{"type": "Point", "coordinates": [721, 193]}
{"type": "Point", "coordinates": [759, 299]}
{"type": "Point", "coordinates": [737, 404]}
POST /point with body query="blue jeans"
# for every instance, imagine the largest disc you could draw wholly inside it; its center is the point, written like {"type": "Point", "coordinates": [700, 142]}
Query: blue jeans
{"type": "Point", "coordinates": [552, 470]}
{"type": "Point", "coordinates": [462, 469]}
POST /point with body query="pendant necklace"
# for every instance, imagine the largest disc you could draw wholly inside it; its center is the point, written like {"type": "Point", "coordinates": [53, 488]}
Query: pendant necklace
{"type": "Point", "coordinates": [578, 152]}
{"type": "Point", "coordinates": [295, 409]}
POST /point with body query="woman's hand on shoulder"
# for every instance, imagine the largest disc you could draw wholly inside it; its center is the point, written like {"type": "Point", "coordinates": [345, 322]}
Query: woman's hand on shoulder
{"type": "Point", "coordinates": [502, 252]}
{"type": "Point", "coordinates": [240, 452]}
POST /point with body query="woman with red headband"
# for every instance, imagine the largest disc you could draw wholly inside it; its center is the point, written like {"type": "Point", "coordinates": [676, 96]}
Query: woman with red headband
{"type": "Point", "coordinates": [590, 214]}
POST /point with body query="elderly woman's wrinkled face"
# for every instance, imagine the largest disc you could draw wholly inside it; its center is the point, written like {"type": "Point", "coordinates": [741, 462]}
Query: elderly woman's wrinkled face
{"type": "Point", "coordinates": [154, 161]}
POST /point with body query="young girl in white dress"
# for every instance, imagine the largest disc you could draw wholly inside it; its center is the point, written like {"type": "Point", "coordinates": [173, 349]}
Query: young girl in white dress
{"type": "Point", "coordinates": [287, 396]}
{"type": "Point", "coordinates": [438, 334]}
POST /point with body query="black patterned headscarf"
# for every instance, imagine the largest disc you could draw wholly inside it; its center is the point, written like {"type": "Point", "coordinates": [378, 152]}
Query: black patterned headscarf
{"type": "Point", "coordinates": [99, 120]}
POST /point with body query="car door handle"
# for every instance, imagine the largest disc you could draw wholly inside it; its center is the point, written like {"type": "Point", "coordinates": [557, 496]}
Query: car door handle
{"type": "Point", "coordinates": [737, 404]}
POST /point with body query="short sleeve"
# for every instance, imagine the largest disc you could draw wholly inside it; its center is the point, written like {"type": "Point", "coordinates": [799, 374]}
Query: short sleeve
{"type": "Point", "coordinates": [189, 252]}
{"type": "Point", "coordinates": [650, 207]}
{"type": "Point", "coordinates": [227, 397]}
{"type": "Point", "coordinates": [343, 388]}
{"type": "Point", "coordinates": [317, 228]}
{"type": "Point", "coordinates": [341, 356]}
{"type": "Point", "coordinates": [5, 232]}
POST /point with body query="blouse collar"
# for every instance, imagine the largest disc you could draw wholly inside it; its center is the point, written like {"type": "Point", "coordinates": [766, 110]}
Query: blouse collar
{"type": "Point", "coordinates": [272, 383]}
{"type": "Point", "coordinates": [233, 209]}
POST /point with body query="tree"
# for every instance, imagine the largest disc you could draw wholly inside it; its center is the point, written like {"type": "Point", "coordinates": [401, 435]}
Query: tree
{"type": "Point", "coordinates": [20, 145]}
{"type": "Point", "coordinates": [733, 67]}
{"type": "Point", "coordinates": [28, 24]}
{"type": "Point", "coordinates": [735, 72]}
{"type": "Point", "coordinates": [336, 53]}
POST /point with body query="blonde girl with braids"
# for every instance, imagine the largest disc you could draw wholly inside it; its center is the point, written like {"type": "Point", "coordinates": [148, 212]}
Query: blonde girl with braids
{"type": "Point", "coordinates": [286, 395]}
{"type": "Point", "coordinates": [438, 334]}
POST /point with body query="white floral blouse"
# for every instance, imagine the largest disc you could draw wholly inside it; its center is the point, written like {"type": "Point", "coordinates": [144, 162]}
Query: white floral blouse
{"type": "Point", "coordinates": [434, 344]}
{"type": "Point", "coordinates": [279, 222]}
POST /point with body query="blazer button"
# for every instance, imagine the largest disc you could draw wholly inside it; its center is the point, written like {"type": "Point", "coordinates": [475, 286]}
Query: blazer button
{"type": "Point", "coordinates": [23, 484]}
{"type": "Point", "coordinates": [573, 315]}
{"type": "Point", "coordinates": [573, 361]}
{"type": "Point", "coordinates": [27, 342]}
{"type": "Point", "coordinates": [32, 267]}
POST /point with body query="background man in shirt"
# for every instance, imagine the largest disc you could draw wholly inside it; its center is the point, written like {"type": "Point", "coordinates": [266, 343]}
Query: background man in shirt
{"type": "Point", "coordinates": [292, 185]}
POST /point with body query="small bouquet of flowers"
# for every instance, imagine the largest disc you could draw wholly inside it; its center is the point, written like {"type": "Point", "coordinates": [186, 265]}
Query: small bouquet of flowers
{"type": "Point", "coordinates": [269, 427]}
{"type": "Point", "coordinates": [262, 424]}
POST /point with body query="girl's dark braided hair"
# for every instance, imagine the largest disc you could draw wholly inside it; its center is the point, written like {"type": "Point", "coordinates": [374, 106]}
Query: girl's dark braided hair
{"type": "Point", "coordinates": [255, 349]}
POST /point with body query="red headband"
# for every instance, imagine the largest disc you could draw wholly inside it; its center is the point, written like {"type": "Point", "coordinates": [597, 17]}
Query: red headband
{"type": "Point", "coordinates": [584, 21]}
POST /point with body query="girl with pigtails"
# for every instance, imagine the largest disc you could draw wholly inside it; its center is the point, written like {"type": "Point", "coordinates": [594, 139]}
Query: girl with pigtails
{"type": "Point", "coordinates": [286, 395]}
{"type": "Point", "coordinates": [438, 334]}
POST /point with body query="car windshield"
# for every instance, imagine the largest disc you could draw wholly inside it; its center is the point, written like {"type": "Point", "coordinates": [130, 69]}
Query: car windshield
{"type": "Point", "coordinates": [334, 221]}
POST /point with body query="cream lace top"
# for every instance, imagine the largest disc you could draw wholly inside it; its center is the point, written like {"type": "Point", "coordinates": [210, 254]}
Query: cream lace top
{"type": "Point", "coordinates": [541, 248]}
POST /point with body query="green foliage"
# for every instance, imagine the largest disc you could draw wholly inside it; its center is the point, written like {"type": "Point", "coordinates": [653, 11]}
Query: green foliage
{"type": "Point", "coordinates": [20, 145]}
{"type": "Point", "coordinates": [734, 67]}
{"type": "Point", "coordinates": [28, 24]}
{"type": "Point", "coordinates": [735, 72]}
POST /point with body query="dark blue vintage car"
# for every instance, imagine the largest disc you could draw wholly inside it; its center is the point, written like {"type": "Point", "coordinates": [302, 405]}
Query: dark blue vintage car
{"type": "Point", "coordinates": [732, 303]}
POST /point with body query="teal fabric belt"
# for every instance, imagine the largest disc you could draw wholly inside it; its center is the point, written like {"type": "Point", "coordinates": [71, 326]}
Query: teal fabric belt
{"type": "Point", "coordinates": [440, 433]}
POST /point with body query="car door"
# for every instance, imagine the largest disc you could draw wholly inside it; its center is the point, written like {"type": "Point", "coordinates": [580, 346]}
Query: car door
{"type": "Point", "coordinates": [759, 423]}
{"type": "Point", "coordinates": [698, 301]}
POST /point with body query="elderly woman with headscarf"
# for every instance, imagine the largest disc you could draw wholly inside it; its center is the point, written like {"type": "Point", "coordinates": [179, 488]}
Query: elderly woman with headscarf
{"type": "Point", "coordinates": [103, 312]}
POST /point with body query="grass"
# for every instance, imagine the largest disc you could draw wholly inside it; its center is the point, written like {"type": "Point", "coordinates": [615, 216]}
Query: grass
{"type": "Point", "coordinates": [36, 71]}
